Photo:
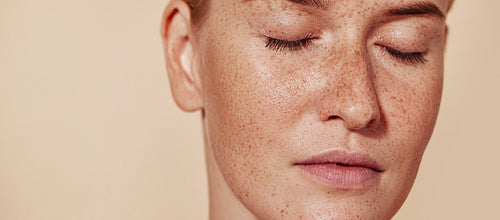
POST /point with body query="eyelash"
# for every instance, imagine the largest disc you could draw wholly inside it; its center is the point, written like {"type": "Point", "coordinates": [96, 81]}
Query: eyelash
{"type": "Point", "coordinates": [281, 45]}
{"type": "Point", "coordinates": [412, 58]}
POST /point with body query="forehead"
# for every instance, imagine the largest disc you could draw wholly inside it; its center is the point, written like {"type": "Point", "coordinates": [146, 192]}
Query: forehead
{"type": "Point", "coordinates": [324, 11]}
{"type": "Point", "coordinates": [432, 7]}
{"type": "Point", "coordinates": [327, 3]}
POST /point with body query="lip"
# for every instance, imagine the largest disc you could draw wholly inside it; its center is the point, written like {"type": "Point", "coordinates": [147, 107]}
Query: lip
{"type": "Point", "coordinates": [342, 169]}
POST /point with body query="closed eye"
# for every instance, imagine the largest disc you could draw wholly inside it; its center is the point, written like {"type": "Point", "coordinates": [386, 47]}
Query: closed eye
{"type": "Point", "coordinates": [281, 45]}
{"type": "Point", "coordinates": [411, 58]}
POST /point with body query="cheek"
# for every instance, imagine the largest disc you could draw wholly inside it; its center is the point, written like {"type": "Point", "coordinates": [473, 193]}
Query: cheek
{"type": "Point", "coordinates": [252, 105]}
{"type": "Point", "coordinates": [244, 106]}
{"type": "Point", "coordinates": [251, 102]}
{"type": "Point", "coordinates": [410, 106]}
{"type": "Point", "coordinates": [250, 94]}
{"type": "Point", "coordinates": [413, 107]}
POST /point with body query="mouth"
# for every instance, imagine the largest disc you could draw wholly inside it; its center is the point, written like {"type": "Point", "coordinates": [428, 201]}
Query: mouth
{"type": "Point", "coordinates": [341, 169]}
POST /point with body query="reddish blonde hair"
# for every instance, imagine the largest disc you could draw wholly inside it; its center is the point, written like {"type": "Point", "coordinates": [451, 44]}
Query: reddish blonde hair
{"type": "Point", "coordinates": [198, 9]}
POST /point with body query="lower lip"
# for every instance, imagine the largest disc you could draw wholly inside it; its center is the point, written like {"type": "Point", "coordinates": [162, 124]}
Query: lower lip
{"type": "Point", "coordinates": [342, 176]}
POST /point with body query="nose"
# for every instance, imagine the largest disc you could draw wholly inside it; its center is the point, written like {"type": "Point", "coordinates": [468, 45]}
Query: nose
{"type": "Point", "coordinates": [351, 95]}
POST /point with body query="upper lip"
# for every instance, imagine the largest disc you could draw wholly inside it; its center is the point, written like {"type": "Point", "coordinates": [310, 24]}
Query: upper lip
{"type": "Point", "coordinates": [344, 158]}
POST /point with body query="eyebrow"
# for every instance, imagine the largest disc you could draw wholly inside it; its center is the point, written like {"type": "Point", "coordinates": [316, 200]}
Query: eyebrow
{"type": "Point", "coordinates": [418, 8]}
{"type": "Point", "coordinates": [314, 3]}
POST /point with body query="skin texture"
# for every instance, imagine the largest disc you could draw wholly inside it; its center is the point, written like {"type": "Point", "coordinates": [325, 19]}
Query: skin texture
{"type": "Point", "coordinates": [263, 110]}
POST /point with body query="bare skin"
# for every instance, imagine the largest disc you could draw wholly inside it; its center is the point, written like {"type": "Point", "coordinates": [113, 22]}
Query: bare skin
{"type": "Point", "coordinates": [280, 82]}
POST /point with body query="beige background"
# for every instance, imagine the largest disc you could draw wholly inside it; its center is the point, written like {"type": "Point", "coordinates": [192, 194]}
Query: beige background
{"type": "Point", "coordinates": [88, 129]}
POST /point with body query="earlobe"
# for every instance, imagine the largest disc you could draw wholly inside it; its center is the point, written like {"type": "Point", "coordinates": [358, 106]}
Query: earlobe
{"type": "Point", "coordinates": [177, 42]}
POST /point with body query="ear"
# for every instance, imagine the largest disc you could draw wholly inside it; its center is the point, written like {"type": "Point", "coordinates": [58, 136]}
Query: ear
{"type": "Point", "coordinates": [177, 42]}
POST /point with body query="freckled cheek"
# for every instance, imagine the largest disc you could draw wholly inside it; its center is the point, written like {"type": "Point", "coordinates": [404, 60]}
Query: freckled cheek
{"type": "Point", "coordinates": [415, 108]}
{"type": "Point", "coordinates": [410, 119]}
{"type": "Point", "coordinates": [245, 111]}
{"type": "Point", "coordinates": [242, 107]}
{"type": "Point", "coordinates": [411, 114]}
{"type": "Point", "coordinates": [256, 96]}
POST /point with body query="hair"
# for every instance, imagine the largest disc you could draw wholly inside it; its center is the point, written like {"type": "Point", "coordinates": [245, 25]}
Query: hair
{"type": "Point", "coordinates": [193, 4]}
{"type": "Point", "coordinates": [449, 5]}
{"type": "Point", "coordinates": [198, 9]}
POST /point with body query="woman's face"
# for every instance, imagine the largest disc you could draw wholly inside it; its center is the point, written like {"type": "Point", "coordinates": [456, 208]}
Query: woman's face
{"type": "Point", "coordinates": [320, 109]}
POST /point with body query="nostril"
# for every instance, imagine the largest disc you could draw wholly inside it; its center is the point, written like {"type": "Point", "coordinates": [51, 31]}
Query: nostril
{"type": "Point", "coordinates": [370, 123]}
{"type": "Point", "coordinates": [373, 122]}
{"type": "Point", "coordinates": [333, 117]}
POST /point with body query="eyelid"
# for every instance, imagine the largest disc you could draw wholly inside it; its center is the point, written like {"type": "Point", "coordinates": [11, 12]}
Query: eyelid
{"type": "Point", "coordinates": [407, 57]}
{"type": "Point", "coordinates": [278, 44]}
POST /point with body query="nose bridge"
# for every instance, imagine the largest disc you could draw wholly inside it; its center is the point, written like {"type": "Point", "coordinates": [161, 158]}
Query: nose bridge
{"type": "Point", "coordinates": [351, 94]}
{"type": "Point", "coordinates": [356, 76]}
